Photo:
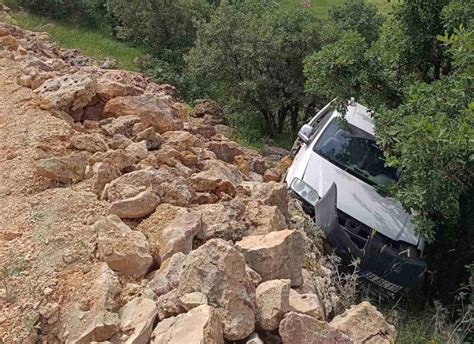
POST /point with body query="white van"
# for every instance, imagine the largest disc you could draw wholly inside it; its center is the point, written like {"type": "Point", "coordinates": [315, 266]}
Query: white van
{"type": "Point", "coordinates": [335, 173]}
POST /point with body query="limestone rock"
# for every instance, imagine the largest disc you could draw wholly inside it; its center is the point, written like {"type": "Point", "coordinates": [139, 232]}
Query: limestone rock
{"type": "Point", "coordinates": [139, 150]}
{"type": "Point", "coordinates": [365, 324]}
{"type": "Point", "coordinates": [98, 322]}
{"type": "Point", "coordinates": [124, 250]}
{"type": "Point", "coordinates": [108, 89]}
{"type": "Point", "coordinates": [217, 176]}
{"type": "Point", "coordinates": [152, 110]}
{"type": "Point", "coordinates": [153, 139]}
{"type": "Point", "coordinates": [89, 142]}
{"type": "Point", "coordinates": [102, 174]}
{"type": "Point", "coordinates": [167, 277]}
{"type": "Point", "coordinates": [131, 184]}
{"type": "Point", "coordinates": [277, 255]}
{"type": "Point", "coordinates": [271, 193]}
{"type": "Point", "coordinates": [9, 42]}
{"type": "Point", "coordinates": [69, 93]}
{"type": "Point", "coordinates": [64, 169]}
{"type": "Point", "coordinates": [135, 207]}
{"type": "Point", "coordinates": [200, 325]}
{"type": "Point", "coordinates": [169, 305]}
{"type": "Point", "coordinates": [118, 157]}
{"type": "Point", "coordinates": [271, 175]}
{"type": "Point", "coordinates": [119, 141]}
{"type": "Point", "coordinates": [302, 329]}
{"type": "Point", "coordinates": [137, 318]}
{"type": "Point", "coordinates": [272, 303]}
{"type": "Point", "coordinates": [181, 140]}
{"type": "Point", "coordinates": [217, 270]}
{"type": "Point", "coordinates": [163, 90]}
{"type": "Point", "coordinates": [93, 327]}
{"type": "Point", "coordinates": [170, 230]}
{"type": "Point", "coordinates": [306, 304]}
{"type": "Point", "coordinates": [226, 220]}
{"type": "Point", "coordinates": [193, 300]}
{"type": "Point", "coordinates": [225, 150]}
{"type": "Point", "coordinates": [210, 111]}
{"type": "Point", "coordinates": [105, 289]}
{"type": "Point", "coordinates": [253, 276]}
{"type": "Point", "coordinates": [122, 125]}
{"type": "Point", "coordinates": [265, 218]}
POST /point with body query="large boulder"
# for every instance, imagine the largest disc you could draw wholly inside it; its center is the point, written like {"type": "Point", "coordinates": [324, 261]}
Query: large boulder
{"type": "Point", "coordinates": [226, 220]}
{"type": "Point", "coordinates": [265, 218]}
{"type": "Point", "coordinates": [216, 176]}
{"type": "Point", "coordinates": [136, 320]}
{"type": "Point", "coordinates": [171, 229]}
{"type": "Point", "coordinates": [225, 150]}
{"type": "Point", "coordinates": [271, 193]}
{"type": "Point", "coordinates": [131, 184]}
{"type": "Point", "coordinates": [152, 110]}
{"type": "Point", "coordinates": [365, 324]}
{"type": "Point", "coordinates": [181, 140]}
{"type": "Point", "coordinates": [217, 270]}
{"type": "Point", "coordinates": [272, 303]}
{"type": "Point", "coordinates": [298, 328]}
{"type": "Point", "coordinates": [124, 250]}
{"type": "Point", "coordinates": [277, 255]}
{"type": "Point", "coordinates": [92, 327]}
{"type": "Point", "coordinates": [69, 93]}
{"type": "Point", "coordinates": [200, 325]}
{"type": "Point", "coordinates": [135, 207]}
{"type": "Point", "coordinates": [108, 89]}
{"type": "Point", "coordinates": [64, 169]}
{"type": "Point", "coordinates": [122, 125]}
{"type": "Point", "coordinates": [139, 150]}
{"type": "Point", "coordinates": [209, 111]}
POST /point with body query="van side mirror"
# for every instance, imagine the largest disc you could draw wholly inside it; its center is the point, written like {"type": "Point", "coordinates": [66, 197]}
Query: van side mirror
{"type": "Point", "coordinates": [305, 133]}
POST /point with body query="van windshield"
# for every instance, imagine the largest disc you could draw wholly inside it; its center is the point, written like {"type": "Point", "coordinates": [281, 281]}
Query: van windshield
{"type": "Point", "coordinates": [355, 151]}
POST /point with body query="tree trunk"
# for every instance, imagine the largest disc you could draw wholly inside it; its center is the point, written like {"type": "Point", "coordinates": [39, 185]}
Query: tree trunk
{"type": "Point", "coordinates": [294, 123]}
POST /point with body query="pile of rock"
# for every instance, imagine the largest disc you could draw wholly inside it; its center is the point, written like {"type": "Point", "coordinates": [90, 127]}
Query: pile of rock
{"type": "Point", "coordinates": [199, 244]}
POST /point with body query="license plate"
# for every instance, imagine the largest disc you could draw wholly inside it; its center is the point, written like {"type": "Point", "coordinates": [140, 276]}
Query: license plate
{"type": "Point", "coordinates": [382, 282]}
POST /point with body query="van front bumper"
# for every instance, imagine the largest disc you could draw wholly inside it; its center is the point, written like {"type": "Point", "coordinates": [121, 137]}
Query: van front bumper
{"type": "Point", "coordinates": [382, 261]}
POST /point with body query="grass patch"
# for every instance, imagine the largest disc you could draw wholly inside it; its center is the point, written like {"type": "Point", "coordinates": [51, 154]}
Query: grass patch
{"type": "Point", "coordinates": [321, 7]}
{"type": "Point", "coordinates": [94, 43]}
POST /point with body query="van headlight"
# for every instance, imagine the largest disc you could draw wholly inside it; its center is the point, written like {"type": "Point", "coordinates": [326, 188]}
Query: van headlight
{"type": "Point", "coordinates": [305, 191]}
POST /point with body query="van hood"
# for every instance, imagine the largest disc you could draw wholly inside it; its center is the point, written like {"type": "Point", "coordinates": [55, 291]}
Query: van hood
{"type": "Point", "coordinates": [360, 200]}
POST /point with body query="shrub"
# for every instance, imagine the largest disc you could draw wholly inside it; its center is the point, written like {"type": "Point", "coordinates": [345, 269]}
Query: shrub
{"type": "Point", "coordinates": [89, 12]}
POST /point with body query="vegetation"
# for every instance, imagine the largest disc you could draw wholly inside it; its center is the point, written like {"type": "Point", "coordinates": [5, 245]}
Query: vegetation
{"type": "Point", "coordinates": [260, 64]}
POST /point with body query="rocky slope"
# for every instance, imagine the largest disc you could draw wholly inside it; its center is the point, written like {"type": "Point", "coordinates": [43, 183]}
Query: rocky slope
{"type": "Point", "coordinates": [127, 217]}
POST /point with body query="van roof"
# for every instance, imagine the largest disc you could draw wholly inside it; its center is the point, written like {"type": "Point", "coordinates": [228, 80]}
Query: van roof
{"type": "Point", "coordinates": [359, 116]}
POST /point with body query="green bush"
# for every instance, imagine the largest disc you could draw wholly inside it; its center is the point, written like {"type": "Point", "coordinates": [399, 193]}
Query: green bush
{"type": "Point", "coordinates": [158, 24]}
{"type": "Point", "coordinates": [89, 12]}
